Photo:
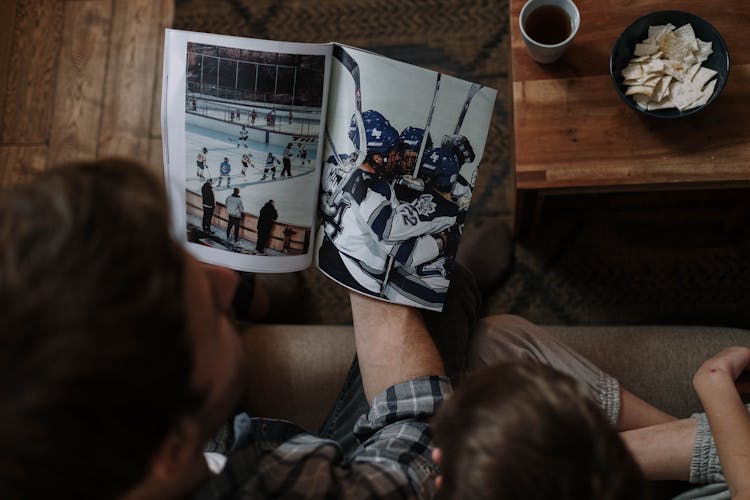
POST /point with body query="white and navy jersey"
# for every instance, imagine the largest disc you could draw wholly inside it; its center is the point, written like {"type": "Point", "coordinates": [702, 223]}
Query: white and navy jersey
{"type": "Point", "coordinates": [270, 160]}
{"type": "Point", "coordinates": [200, 158]}
{"type": "Point", "coordinates": [425, 285]}
{"type": "Point", "coordinates": [348, 226]}
{"type": "Point", "coordinates": [334, 171]}
{"type": "Point", "coordinates": [372, 226]}
{"type": "Point", "coordinates": [461, 188]}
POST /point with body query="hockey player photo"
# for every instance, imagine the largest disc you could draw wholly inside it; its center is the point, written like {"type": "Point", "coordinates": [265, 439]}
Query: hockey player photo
{"type": "Point", "coordinates": [391, 220]}
{"type": "Point", "coordinates": [376, 165]}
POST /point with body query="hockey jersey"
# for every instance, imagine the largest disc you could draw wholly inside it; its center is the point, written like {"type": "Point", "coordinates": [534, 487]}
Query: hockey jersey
{"type": "Point", "coordinates": [375, 231]}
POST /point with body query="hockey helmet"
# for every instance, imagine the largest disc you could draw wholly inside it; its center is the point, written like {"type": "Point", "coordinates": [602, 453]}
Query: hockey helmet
{"type": "Point", "coordinates": [370, 119]}
{"type": "Point", "coordinates": [411, 139]}
{"type": "Point", "coordinates": [440, 166]}
{"type": "Point", "coordinates": [205, 150]}
{"type": "Point", "coordinates": [409, 143]}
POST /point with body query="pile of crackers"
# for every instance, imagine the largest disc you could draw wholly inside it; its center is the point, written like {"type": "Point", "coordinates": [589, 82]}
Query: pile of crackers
{"type": "Point", "coordinates": [667, 70]}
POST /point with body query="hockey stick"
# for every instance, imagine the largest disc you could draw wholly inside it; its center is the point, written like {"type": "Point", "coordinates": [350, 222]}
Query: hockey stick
{"type": "Point", "coordinates": [458, 143]}
{"type": "Point", "coordinates": [427, 126]}
{"type": "Point", "coordinates": [351, 65]}
{"type": "Point", "coordinates": [475, 87]}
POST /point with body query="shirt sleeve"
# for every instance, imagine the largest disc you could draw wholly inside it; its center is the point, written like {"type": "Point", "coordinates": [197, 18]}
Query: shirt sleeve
{"type": "Point", "coordinates": [394, 460]}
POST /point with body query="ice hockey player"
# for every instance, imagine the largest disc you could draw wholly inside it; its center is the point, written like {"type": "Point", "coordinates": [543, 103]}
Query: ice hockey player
{"type": "Point", "coordinates": [247, 159]}
{"type": "Point", "coordinates": [271, 162]}
{"type": "Point", "coordinates": [409, 143]}
{"type": "Point", "coordinates": [243, 136]}
{"type": "Point", "coordinates": [426, 283]}
{"type": "Point", "coordinates": [225, 169]}
{"type": "Point", "coordinates": [200, 160]}
{"type": "Point", "coordinates": [369, 230]}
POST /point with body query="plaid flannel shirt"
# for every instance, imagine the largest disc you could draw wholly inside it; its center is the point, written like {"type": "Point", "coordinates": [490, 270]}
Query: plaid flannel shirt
{"type": "Point", "coordinates": [276, 459]}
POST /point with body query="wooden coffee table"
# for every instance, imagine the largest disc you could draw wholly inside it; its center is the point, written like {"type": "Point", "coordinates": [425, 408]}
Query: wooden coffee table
{"type": "Point", "coordinates": [573, 134]}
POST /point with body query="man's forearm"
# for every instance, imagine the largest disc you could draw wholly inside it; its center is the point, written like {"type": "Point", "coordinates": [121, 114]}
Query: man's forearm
{"type": "Point", "coordinates": [393, 344]}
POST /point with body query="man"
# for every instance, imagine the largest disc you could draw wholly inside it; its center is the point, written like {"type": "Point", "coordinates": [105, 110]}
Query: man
{"type": "Point", "coordinates": [246, 162]}
{"type": "Point", "coordinates": [426, 283]}
{"type": "Point", "coordinates": [235, 210]}
{"type": "Point", "coordinates": [225, 171]}
{"type": "Point", "coordinates": [200, 161]}
{"type": "Point", "coordinates": [125, 360]}
{"type": "Point", "coordinates": [367, 229]}
{"type": "Point", "coordinates": [266, 218]}
{"type": "Point", "coordinates": [209, 204]}
{"type": "Point", "coordinates": [244, 134]}
{"type": "Point", "coordinates": [271, 163]}
{"type": "Point", "coordinates": [287, 170]}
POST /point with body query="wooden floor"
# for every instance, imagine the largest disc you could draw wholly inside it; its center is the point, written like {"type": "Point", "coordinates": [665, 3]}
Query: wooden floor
{"type": "Point", "coordinates": [80, 79]}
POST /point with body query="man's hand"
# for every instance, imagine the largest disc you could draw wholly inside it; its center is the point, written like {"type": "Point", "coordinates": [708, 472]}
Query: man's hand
{"type": "Point", "coordinates": [460, 146]}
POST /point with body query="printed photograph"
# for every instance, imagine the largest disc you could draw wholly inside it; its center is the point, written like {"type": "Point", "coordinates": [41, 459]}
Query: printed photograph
{"type": "Point", "coordinates": [401, 153]}
{"type": "Point", "coordinates": [252, 122]}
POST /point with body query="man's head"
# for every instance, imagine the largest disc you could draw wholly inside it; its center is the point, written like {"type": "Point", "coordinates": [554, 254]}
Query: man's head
{"type": "Point", "coordinates": [410, 141]}
{"type": "Point", "coordinates": [236, 191]}
{"type": "Point", "coordinates": [106, 329]}
{"type": "Point", "coordinates": [205, 150]}
{"type": "Point", "coordinates": [439, 169]}
{"type": "Point", "coordinates": [381, 141]}
{"type": "Point", "coordinates": [226, 159]}
{"type": "Point", "coordinates": [523, 430]}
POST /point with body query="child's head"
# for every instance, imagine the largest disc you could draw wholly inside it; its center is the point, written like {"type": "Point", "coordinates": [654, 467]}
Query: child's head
{"type": "Point", "coordinates": [523, 430]}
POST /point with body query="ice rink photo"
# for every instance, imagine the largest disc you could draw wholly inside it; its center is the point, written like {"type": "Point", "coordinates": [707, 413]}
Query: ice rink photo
{"type": "Point", "coordinates": [252, 122]}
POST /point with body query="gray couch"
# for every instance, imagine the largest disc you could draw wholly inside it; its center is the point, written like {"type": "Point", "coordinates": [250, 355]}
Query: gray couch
{"type": "Point", "coordinates": [301, 367]}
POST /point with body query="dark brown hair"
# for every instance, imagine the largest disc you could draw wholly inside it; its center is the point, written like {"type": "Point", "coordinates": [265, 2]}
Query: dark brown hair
{"type": "Point", "coordinates": [95, 362]}
{"type": "Point", "coordinates": [523, 430]}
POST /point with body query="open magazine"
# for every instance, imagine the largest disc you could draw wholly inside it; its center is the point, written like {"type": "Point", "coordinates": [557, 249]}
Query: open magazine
{"type": "Point", "coordinates": [279, 154]}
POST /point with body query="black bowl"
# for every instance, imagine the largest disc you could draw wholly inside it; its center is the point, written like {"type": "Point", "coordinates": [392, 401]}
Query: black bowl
{"type": "Point", "coordinates": [623, 49]}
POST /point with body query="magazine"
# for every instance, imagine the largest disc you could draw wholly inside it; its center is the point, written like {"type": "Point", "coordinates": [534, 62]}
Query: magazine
{"type": "Point", "coordinates": [278, 155]}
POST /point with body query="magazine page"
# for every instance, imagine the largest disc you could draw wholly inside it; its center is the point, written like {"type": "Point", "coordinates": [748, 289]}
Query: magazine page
{"type": "Point", "coordinates": [401, 154]}
{"type": "Point", "coordinates": [241, 124]}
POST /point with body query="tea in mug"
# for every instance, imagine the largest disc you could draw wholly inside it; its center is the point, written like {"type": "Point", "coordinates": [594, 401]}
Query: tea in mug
{"type": "Point", "coordinates": [548, 25]}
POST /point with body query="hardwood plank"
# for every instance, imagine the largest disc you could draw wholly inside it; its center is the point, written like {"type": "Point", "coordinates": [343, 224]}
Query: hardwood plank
{"type": "Point", "coordinates": [578, 133]}
{"type": "Point", "coordinates": [19, 163]}
{"type": "Point", "coordinates": [129, 83]}
{"type": "Point", "coordinates": [571, 129]}
{"type": "Point", "coordinates": [7, 20]}
{"type": "Point", "coordinates": [156, 156]}
{"type": "Point", "coordinates": [589, 53]}
{"type": "Point", "coordinates": [31, 84]}
{"type": "Point", "coordinates": [80, 81]}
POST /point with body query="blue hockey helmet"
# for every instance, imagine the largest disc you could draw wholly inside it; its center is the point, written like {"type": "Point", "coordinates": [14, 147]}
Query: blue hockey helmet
{"type": "Point", "coordinates": [381, 139]}
{"type": "Point", "coordinates": [411, 139]}
{"type": "Point", "coordinates": [371, 119]}
{"type": "Point", "coordinates": [440, 166]}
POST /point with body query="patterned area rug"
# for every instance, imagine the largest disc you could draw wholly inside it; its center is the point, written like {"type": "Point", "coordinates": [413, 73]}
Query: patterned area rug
{"type": "Point", "coordinates": [600, 264]}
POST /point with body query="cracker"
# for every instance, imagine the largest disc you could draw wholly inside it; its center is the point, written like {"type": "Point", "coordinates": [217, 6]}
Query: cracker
{"type": "Point", "coordinates": [666, 70]}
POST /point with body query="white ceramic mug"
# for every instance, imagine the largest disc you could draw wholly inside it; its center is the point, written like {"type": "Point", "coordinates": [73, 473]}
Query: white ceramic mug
{"type": "Point", "coordinates": [549, 53]}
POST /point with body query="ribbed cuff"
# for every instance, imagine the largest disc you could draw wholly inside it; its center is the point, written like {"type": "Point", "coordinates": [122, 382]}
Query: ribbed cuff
{"type": "Point", "coordinates": [704, 464]}
{"type": "Point", "coordinates": [610, 397]}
